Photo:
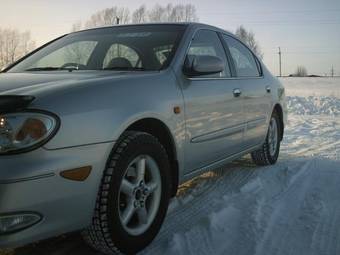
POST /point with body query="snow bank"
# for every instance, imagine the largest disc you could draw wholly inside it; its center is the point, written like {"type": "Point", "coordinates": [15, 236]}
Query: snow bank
{"type": "Point", "coordinates": [313, 105]}
{"type": "Point", "coordinates": [313, 96]}
{"type": "Point", "coordinates": [305, 87]}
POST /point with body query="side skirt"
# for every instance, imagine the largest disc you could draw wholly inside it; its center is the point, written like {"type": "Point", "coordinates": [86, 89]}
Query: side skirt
{"type": "Point", "coordinates": [217, 164]}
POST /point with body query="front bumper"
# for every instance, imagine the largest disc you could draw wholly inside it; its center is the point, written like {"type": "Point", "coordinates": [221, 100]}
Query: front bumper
{"type": "Point", "coordinates": [32, 183]}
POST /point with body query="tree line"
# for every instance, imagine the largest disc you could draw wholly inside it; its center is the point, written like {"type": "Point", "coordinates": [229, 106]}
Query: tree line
{"type": "Point", "coordinates": [14, 45]}
{"type": "Point", "coordinates": [158, 13]}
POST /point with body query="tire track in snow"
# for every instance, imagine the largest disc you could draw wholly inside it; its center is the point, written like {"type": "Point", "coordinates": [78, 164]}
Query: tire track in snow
{"type": "Point", "coordinates": [277, 229]}
{"type": "Point", "coordinates": [225, 186]}
{"type": "Point", "coordinates": [326, 237]}
{"type": "Point", "coordinates": [186, 216]}
{"type": "Point", "coordinates": [299, 222]}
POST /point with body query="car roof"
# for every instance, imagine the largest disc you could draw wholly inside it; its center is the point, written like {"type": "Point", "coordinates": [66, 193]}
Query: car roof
{"type": "Point", "coordinates": [192, 25]}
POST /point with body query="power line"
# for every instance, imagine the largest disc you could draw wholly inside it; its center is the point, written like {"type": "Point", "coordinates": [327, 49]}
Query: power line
{"type": "Point", "coordinates": [294, 23]}
{"type": "Point", "coordinates": [306, 52]}
{"type": "Point", "coordinates": [267, 12]}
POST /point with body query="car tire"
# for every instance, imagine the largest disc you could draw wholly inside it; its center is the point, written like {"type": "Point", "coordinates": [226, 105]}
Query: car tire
{"type": "Point", "coordinates": [132, 203]}
{"type": "Point", "coordinates": [269, 152]}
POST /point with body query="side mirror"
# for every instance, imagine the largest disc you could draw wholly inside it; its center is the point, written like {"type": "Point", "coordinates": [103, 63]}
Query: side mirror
{"type": "Point", "coordinates": [202, 65]}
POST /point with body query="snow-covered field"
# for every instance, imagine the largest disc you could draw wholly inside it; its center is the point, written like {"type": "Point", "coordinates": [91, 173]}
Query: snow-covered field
{"type": "Point", "coordinates": [292, 207]}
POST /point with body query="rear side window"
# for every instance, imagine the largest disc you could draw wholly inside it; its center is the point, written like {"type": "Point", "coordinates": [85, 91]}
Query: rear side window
{"type": "Point", "coordinates": [207, 43]}
{"type": "Point", "coordinates": [245, 63]}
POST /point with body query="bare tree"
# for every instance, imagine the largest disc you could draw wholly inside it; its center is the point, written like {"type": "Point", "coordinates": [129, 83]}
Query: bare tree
{"type": "Point", "coordinates": [173, 13]}
{"type": "Point", "coordinates": [13, 45]}
{"type": "Point", "coordinates": [301, 71]}
{"type": "Point", "coordinates": [190, 13]}
{"type": "Point", "coordinates": [156, 13]}
{"type": "Point", "coordinates": [76, 26]}
{"type": "Point", "coordinates": [248, 37]}
{"type": "Point", "coordinates": [108, 17]}
{"type": "Point", "coordinates": [178, 13]}
{"type": "Point", "coordinates": [139, 15]}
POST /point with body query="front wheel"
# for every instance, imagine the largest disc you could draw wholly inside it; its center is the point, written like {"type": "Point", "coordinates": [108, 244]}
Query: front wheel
{"type": "Point", "coordinates": [269, 152]}
{"type": "Point", "coordinates": [133, 197]}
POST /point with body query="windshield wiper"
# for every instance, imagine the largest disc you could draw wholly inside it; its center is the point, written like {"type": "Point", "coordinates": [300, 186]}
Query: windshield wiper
{"type": "Point", "coordinates": [49, 68]}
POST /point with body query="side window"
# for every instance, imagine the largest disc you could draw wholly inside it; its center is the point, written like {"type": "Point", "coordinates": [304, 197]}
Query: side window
{"type": "Point", "coordinates": [120, 56]}
{"type": "Point", "coordinates": [245, 62]}
{"type": "Point", "coordinates": [208, 43]}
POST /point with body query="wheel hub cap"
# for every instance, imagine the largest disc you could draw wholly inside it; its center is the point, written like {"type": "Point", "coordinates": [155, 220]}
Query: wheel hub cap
{"type": "Point", "coordinates": [273, 137]}
{"type": "Point", "coordinates": [139, 195]}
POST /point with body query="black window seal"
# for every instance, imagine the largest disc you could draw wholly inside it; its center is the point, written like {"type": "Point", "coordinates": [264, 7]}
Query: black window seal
{"type": "Point", "coordinates": [230, 60]}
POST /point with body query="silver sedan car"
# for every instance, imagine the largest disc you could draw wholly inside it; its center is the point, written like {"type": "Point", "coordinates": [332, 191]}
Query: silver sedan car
{"type": "Point", "coordinates": [99, 127]}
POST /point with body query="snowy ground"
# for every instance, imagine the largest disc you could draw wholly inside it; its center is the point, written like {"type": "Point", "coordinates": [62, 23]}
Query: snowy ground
{"type": "Point", "coordinates": [290, 208]}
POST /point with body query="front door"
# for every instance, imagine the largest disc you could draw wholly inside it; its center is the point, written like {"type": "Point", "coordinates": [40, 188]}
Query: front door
{"type": "Point", "coordinates": [213, 108]}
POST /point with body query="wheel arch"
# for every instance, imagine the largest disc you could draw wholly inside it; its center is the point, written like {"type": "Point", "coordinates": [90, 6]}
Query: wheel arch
{"type": "Point", "coordinates": [162, 132]}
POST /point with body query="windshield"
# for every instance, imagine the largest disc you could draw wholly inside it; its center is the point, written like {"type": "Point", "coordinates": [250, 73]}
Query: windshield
{"type": "Point", "coordinates": [136, 48]}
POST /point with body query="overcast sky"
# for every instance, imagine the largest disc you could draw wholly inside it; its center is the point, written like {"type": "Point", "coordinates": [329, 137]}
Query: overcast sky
{"type": "Point", "coordinates": [308, 31]}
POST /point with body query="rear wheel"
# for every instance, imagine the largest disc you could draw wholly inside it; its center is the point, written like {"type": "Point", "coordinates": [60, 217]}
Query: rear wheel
{"type": "Point", "coordinates": [133, 197]}
{"type": "Point", "coordinates": [269, 152]}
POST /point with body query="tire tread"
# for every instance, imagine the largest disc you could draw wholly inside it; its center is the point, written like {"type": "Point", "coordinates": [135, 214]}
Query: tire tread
{"type": "Point", "coordinates": [262, 157]}
{"type": "Point", "coordinates": [98, 234]}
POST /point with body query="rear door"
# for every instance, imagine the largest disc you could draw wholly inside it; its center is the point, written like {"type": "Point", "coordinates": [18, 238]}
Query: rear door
{"type": "Point", "coordinates": [256, 93]}
{"type": "Point", "coordinates": [214, 114]}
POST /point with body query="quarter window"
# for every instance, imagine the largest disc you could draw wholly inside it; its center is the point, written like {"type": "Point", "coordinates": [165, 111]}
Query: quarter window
{"type": "Point", "coordinates": [207, 43]}
{"type": "Point", "coordinates": [245, 62]}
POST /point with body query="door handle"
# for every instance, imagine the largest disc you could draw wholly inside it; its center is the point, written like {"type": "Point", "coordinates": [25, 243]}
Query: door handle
{"type": "Point", "coordinates": [237, 92]}
{"type": "Point", "coordinates": [268, 89]}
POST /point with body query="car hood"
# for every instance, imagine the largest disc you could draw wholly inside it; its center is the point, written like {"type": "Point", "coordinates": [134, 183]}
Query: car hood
{"type": "Point", "coordinates": [41, 82]}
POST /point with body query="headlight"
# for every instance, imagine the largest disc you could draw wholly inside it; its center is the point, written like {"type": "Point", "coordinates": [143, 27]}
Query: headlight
{"type": "Point", "coordinates": [21, 132]}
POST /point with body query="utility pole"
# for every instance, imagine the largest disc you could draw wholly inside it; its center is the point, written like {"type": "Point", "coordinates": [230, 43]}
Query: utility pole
{"type": "Point", "coordinates": [332, 71]}
{"type": "Point", "coordinates": [280, 64]}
